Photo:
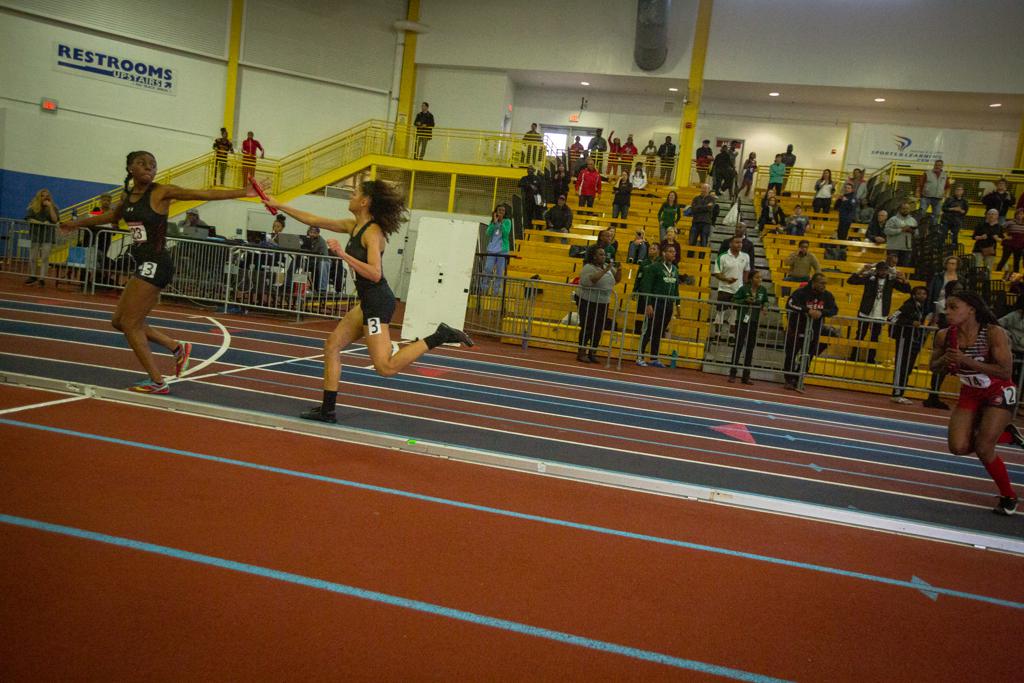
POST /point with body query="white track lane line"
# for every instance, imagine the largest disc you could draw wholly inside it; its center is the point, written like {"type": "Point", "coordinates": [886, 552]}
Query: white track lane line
{"type": "Point", "coordinates": [224, 346]}
{"type": "Point", "coordinates": [44, 404]}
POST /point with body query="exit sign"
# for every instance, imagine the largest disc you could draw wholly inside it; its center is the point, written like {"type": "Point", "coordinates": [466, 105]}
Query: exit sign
{"type": "Point", "coordinates": [47, 104]}
{"type": "Point", "coordinates": [574, 118]}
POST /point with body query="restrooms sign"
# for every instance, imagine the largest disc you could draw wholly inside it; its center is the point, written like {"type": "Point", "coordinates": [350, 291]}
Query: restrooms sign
{"type": "Point", "coordinates": [122, 69]}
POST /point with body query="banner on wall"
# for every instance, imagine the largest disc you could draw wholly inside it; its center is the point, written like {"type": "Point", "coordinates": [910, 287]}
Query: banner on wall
{"type": "Point", "coordinates": [122, 69]}
{"type": "Point", "coordinates": [874, 146]}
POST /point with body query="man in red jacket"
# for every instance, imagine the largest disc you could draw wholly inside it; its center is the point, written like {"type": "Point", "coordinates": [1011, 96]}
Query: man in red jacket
{"type": "Point", "coordinates": [250, 145]}
{"type": "Point", "coordinates": [588, 184]}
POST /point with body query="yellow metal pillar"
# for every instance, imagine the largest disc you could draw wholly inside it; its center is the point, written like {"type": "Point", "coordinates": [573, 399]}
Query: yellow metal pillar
{"type": "Point", "coordinates": [1019, 160]}
{"type": "Point", "coordinates": [407, 88]}
{"type": "Point", "coordinates": [451, 194]}
{"type": "Point", "coordinates": [231, 83]}
{"type": "Point", "coordinates": [688, 126]}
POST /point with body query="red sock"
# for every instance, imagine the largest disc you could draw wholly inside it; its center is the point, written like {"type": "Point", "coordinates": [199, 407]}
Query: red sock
{"type": "Point", "coordinates": [1005, 437]}
{"type": "Point", "coordinates": [997, 470]}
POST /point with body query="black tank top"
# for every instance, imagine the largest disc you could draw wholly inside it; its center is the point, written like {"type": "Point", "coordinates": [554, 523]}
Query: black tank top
{"type": "Point", "coordinates": [356, 250]}
{"type": "Point", "coordinates": [148, 228]}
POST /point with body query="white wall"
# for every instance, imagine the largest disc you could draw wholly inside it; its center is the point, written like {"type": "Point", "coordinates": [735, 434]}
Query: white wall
{"type": "Point", "coordinates": [464, 97]}
{"type": "Point", "coordinates": [585, 36]}
{"type": "Point", "coordinates": [812, 144]}
{"type": "Point", "coordinates": [942, 45]}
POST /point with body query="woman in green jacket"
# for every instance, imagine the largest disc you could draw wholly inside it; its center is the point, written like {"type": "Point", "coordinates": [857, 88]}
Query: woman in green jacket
{"type": "Point", "coordinates": [750, 300]}
{"type": "Point", "coordinates": [498, 247]}
{"type": "Point", "coordinates": [660, 282]}
{"type": "Point", "coordinates": [668, 214]}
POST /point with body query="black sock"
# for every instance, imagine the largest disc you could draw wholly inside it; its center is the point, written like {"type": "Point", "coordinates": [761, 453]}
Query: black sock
{"type": "Point", "coordinates": [434, 340]}
{"type": "Point", "coordinates": [330, 398]}
{"type": "Point", "coordinates": [177, 349]}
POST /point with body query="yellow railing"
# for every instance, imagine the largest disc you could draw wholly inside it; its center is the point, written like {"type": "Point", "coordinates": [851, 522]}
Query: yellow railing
{"type": "Point", "coordinates": [799, 181]}
{"type": "Point", "coordinates": [976, 180]}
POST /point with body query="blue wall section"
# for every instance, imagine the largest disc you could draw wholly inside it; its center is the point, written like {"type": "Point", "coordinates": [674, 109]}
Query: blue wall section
{"type": "Point", "coordinates": [17, 190]}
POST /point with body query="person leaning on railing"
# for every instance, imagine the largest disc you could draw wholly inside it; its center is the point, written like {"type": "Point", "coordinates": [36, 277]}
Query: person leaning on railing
{"type": "Point", "coordinates": [43, 216]}
{"type": "Point", "coordinates": [750, 299]}
{"type": "Point", "coordinates": [597, 280]}
{"type": "Point", "coordinates": [906, 329]}
{"type": "Point", "coordinates": [807, 309]}
{"type": "Point", "coordinates": [658, 290]}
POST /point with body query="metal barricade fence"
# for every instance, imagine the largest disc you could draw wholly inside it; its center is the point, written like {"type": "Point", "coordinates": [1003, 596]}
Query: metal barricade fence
{"type": "Point", "coordinates": [541, 313]}
{"type": "Point", "coordinates": [43, 252]}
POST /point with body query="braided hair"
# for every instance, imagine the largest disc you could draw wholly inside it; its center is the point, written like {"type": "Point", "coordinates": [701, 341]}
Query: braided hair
{"type": "Point", "coordinates": [132, 156]}
{"type": "Point", "coordinates": [387, 205]}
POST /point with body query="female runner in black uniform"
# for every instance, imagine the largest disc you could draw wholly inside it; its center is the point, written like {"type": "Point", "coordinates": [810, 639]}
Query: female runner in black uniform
{"type": "Point", "coordinates": [144, 209]}
{"type": "Point", "coordinates": [378, 208]}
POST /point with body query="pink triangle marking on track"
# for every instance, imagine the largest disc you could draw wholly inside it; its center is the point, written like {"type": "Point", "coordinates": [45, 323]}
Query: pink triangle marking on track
{"type": "Point", "coordinates": [736, 431]}
{"type": "Point", "coordinates": [432, 372]}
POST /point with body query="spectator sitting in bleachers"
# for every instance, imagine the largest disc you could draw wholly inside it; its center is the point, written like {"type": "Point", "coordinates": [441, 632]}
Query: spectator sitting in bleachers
{"type": "Point", "coordinates": [899, 233]}
{"type": "Point", "coordinates": [986, 236]}
{"type": "Point", "coordinates": [797, 223]}
{"type": "Point", "coordinates": [1013, 243]}
{"type": "Point", "coordinates": [999, 199]}
{"type": "Point", "coordinates": [639, 177]}
{"type": "Point", "coordinates": [660, 281]}
{"type": "Point", "coordinates": [670, 240]}
{"type": "Point", "coordinates": [802, 264]}
{"type": "Point", "coordinates": [876, 228]}
{"type": "Point", "coordinates": [771, 214]}
{"type": "Point", "coordinates": [875, 302]}
{"type": "Point", "coordinates": [847, 207]}
{"type": "Point", "coordinates": [747, 246]}
{"type": "Point", "coordinates": [806, 311]}
{"type": "Point", "coordinates": [559, 217]}
{"type": "Point", "coordinates": [823, 191]}
{"type": "Point", "coordinates": [907, 331]}
{"type": "Point", "coordinates": [751, 299]}
{"type": "Point", "coordinates": [953, 211]}
{"type": "Point", "coordinates": [668, 214]}
{"type": "Point", "coordinates": [639, 248]}
{"type": "Point", "coordinates": [606, 240]}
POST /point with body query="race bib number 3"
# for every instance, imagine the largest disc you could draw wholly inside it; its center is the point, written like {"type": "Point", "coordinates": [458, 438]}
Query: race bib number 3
{"type": "Point", "coordinates": [138, 231]}
{"type": "Point", "coordinates": [147, 269]}
{"type": "Point", "coordinates": [373, 326]}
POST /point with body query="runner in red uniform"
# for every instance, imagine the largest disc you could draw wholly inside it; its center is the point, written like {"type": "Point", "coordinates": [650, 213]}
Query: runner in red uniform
{"type": "Point", "coordinates": [976, 349]}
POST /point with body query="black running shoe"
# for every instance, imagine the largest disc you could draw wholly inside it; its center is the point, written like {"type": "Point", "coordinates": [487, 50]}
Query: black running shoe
{"type": "Point", "coordinates": [450, 335]}
{"type": "Point", "coordinates": [1016, 435]}
{"type": "Point", "coordinates": [1006, 506]}
{"type": "Point", "coordinates": [935, 403]}
{"type": "Point", "coordinates": [317, 413]}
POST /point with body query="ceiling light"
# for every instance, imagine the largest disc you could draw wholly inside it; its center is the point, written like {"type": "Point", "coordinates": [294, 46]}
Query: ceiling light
{"type": "Point", "coordinates": [773, 94]}
{"type": "Point", "coordinates": [673, 89]}
{"type": "Point", "coordinates": [996, 104]}
{"type": "Point", "coordinates": [584, 83]}
{"type": "Point", "coordinates": [879, 99]}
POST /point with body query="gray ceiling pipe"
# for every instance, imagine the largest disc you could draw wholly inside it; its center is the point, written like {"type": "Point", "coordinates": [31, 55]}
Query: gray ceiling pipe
{"type": "Point", "coordinates": [651, 48]}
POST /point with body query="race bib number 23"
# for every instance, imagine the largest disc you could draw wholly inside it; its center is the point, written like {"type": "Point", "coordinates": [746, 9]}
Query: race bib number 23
{"type": "Point", "coordinates": [138, 231]}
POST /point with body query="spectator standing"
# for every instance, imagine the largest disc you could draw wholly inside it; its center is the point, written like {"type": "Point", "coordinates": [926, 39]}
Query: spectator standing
{"type": "Point", "coordinates": [498, 237]}
{"type": "Point", "coordinates": [1013, 243]}
{"type": "Point", "coordinates": [999, 199]}
{"type": "Point", "coordinates": [669, 213]}
{"type": "Point", "coordinates": [731, 269]}
{"type": "Point", "coordinates": [750, 300]}
{"type": "Point", "coordinates": [43, 217]}
{"type": "Point", "coordinates": [749, 170]}
{"type": "Point", "coordinates": [848, 209]}
{"type": "Point", "coordinates": [560, 180]}
{"type": "Point", "coordinates": [876, 227]}
{"type": "Point", "coordinates": [315, 244]}
{"type": "Point", "coordinates": [909, 335]}
{"type": "Point", "coordinates": [250, 145]}
{"type": "Point", "coordinates": [776, 174]}
{"type": "Point", "coordinates": [797, 223]}
{"type": "Point", "coordinates": [659, 294]}
{"type": "Point", "coordinates": [899, 233]}
{"type": "Point", "coordinates": [534, 143]}
{"type": "Point", "coordinates": [701, 210]}
{"type": "Point", "coordinates": [823, 191]}
{"type": "Point", "coordinates": [670, 240]}
{"type": "Point", "coordinates": [788, 159]}
{"type": "Point", "coordinates": [703, 161]}
{"type": "Point", "coordinates": [807, 309]}
{"type": "Point", "coordinates": [931, 190]}
{"type": "Point", "coordinates": [559, 217]}
{"type": "Point", "coordinates": [667, 154]}
{"type": "Point", "coordinates": [746, 246]}
{"type": "Point", "coordinates": [222, 147]}
{"type": "Point", "coordinates": [614, 154]}
{"type": "Point", "coordinates": [650, 154]}
{"type": "Point", "coordinates": [953, 211]}
{"type": "Point", "coordinates": [597, 280]}
{"type": "Point", "coordinates": [639, 177]}
{"type": "Point", "coordinates": [588, 183]}
{"type": "Point", "coordinates": [802, 264]}
{"type": "Point", "coordinates": [986, 236]}
{"type": "Point", "coordinates": [627, 152]}
{"type": "Point", "coordinates": [533, 200]}
{"type": "Point", "coordinates": [597, 148]}
{"type": "Point", "coordinates": [623, 196]}
{"type": "Point", "coordinates": [575, 152]}
{"type": "Point", "coordinates": [875, 302]}
{"type": "Point", "coordinates": [424, 123]}
{"type": "Point", "coordinates": [723, 171]}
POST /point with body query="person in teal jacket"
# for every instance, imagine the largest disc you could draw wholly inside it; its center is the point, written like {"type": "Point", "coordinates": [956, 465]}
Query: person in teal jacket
{"type": "Point", "coordinates": [777, 174]}
{"type": "Point", "coordinates": [750, 300]}
{"type": "Point", "coordinates": [660, 282]}
{"type": "Point", "coordinates": [498, 247]}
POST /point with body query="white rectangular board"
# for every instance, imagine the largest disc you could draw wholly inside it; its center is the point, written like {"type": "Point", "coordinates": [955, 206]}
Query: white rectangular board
{"type": "Point", "coordinates": [439, 280]}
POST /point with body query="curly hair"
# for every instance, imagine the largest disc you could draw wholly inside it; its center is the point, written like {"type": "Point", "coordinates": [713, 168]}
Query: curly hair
{"type": "Point", "coordinates": [387, 205]}
{"type": "Point", "coordinates": [132, 156]}
{"type": "Point", "coordinates": [591, 252]}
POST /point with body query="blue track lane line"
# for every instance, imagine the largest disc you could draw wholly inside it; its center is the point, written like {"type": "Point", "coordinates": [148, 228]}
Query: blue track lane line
{"type": "Point", "coordinates": [391, 600]}
{"type": "Point", "coordinates": [590, 382]}
{"type": "Point", "coordinates": [564, 407]}
{"type": "Point", "coordinates": [911, 585]}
